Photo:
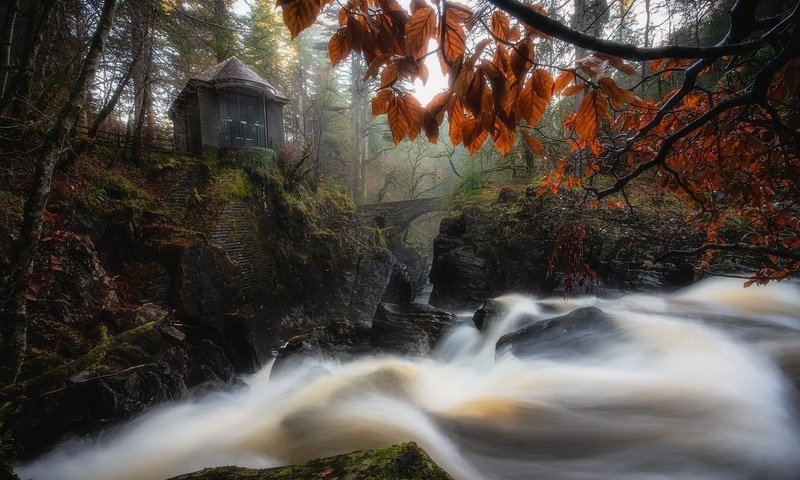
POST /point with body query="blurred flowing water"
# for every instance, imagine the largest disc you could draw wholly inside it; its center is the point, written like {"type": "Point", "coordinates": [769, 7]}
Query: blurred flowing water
{"type": "Point", "coordinates": [689, 387]}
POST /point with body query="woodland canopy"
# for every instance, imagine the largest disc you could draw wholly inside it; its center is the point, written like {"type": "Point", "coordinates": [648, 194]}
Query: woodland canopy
{"type": "Point", "coordinates": [723, 138]}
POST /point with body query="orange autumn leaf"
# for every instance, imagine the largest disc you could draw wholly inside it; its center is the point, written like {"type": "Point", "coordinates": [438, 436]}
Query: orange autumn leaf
{"type": "Point", "coordinates": [575, 88]}
{"type": "Point", "coordinates": [416, 5]}
{"type": "Point", "coordinates": [405, 117]}
{"type": "Point", "coordinates": [593, 110]}
{"type": "Point", "coordinates": [572, 182]}
{"type": "Point", "coordinates": [463, 81]}
{"type": "Point", "coordinates": [419, 29]}
{"type": "Point", "coordinates": [533, 143]}
{"type": "Point", "coordinates": [389, 75]}
{"type": "Point", "coordinates": [474, 96]}
{"type": "Point", "coordinates": [434, 114]}
{"type": "Point", "coordinates": [422, 71]}
{"type": "Point", "coordinates": [339, 46]}
{"type": "Point", "coordinates": [478, 140]}
{"type": "Point", "coordinates": [655, 65]}
{"type": "Point", "coordinates": [299, 14]}
{"type": "Point", "coordinates": [457, 120]}
{"type": "Point", "coordinates": [430, 126]}
{"type": "Point", "coordinates": [542, 83]}
{"type": "Point", "coordinates": [563, 80]}
{"type": "Point", "coordinates": [499, 85]}
{"type": "Point", "coordinates": [616, 94]}
{"type": "Point", "coordinates": [503, 137]}
{"type": "Point", "coordinates": [522, 57]}
{"type": "Point", "coordinates": [380, 102]}
{"type": "Point", "coordinates": [398, 123]}
{"type": "Point", "coordinates": [530, 106]}
{"type": "Point", "coordinates": [454, 36]}
{"type": "Point", "coordinates": [617, 63]}
{"type": "Point", "coordinates": [500, 26]}
{"type": "Point", "coordinates": [459, 11]}
{"type": "Point", "coordinates": [415, 113]}
{"type": "Point", "coordinates": [375, 65]}
{"type": "Point", "coordinates": [502, 60]}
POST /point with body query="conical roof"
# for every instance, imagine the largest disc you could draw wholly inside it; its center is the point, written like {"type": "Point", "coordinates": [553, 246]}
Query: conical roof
{"type": "Point", "coordinates": [232, 70]}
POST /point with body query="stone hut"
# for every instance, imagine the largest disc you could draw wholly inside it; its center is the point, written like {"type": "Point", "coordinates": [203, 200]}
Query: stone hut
{"type": "Point", "coordinates": [227, 106]}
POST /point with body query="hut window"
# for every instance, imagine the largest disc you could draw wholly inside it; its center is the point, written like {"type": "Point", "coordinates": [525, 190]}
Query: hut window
{"type": "Point", "coordinates": [242, 118]}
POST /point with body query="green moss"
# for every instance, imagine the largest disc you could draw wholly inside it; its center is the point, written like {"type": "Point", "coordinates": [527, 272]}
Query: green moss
{"type": "Point", "coordinates": [334, 193]}
{"type": "Point", "coordinates": [111, 192]}
{"type": "Point", "coordinates": [241, 187]}
{"type": "Point", "coordinates": [400, 462]}
{"type": "Point", "coordinates": [258, 159]}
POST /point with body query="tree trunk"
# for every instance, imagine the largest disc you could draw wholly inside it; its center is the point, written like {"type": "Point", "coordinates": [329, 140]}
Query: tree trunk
{"type": "Point", "coordinates": [111, 104]}
{"type": "Point", "coordinates": [365, 114]}
{"type": "Point", "coordinates": [646, 44]}
{"type": "Point", "coordinates": [579, 23]}
{"type": "Point", "coordinates": [39, 17]}
{"type": "Point", "coordinates": [5, 47]}
{"type": "Point", "coordinates": [13, 323]}
{"type": "Point", "coordinates": [358, 148]}
{"type": "Point", "coordinates": [57, 135]}
{"type": "Point", "coordinates": [142, 69]}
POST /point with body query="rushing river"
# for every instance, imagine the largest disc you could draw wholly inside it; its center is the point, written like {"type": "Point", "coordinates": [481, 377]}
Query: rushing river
{"type": "Point", "coordinates": [689, 388]}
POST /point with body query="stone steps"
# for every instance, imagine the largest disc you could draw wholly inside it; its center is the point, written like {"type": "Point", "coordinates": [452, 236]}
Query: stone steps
{"type": "Point", "coordinates": [237, 233]}
{"type": "Point", "coordinates": [185, 187]}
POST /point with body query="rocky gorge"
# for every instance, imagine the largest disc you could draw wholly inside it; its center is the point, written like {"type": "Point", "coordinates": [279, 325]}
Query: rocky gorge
{"type": "Point", "coordinates": [192, 280]}
{"type": "Point", "coordinates": [156, 290]}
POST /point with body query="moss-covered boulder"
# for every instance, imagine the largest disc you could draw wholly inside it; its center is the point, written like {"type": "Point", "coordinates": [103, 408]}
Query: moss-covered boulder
{"type": "Point", "coordinates": [401, 462]}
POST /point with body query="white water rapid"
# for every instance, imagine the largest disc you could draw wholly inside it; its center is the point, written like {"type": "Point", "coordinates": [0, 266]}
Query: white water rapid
{"type": "Point", "coordinates": [689, 388]}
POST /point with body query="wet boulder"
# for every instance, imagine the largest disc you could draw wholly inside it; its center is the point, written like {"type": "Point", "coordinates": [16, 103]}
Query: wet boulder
{"type": "Point", "coordinates": [338, 339]}
{"type": "Point", "coordinates": [581, 332]}
{"type": "Point", "coordinates": [491, 311]}
{"type": "Point", "coordinates": [409, 328]}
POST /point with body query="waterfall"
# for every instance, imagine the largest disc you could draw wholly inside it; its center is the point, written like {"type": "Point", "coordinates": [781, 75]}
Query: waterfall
{"type": "Point", "coordinates": [689, 385]}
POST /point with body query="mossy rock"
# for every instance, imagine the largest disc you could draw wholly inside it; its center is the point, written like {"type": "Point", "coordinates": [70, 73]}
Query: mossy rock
{"type": "Point", "coordinates": [400, 462]}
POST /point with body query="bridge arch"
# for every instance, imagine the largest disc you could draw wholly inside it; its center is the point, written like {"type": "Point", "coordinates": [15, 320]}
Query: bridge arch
{"type": "Point", "coordinates": [397, 215]}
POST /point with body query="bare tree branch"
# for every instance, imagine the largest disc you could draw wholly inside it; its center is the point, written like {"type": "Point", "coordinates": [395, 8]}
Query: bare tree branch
{"type": "Point", "coordinates": [628, 51]}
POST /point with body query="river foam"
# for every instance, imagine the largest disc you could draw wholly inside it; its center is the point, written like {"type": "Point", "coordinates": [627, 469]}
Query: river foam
{"type": "Point", "coordinates": [690, 388]}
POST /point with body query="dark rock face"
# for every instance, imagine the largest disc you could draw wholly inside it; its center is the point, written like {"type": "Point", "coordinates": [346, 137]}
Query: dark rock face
{"type": "Point", "coordinates": [74, 285]}
{"type": "Point", "coordinates": [379, 276]}
{"type": "Point", "coordinates": [346, 301]}
{"type": "Point", "coordinates": [483, 253]}
{"type": "Point", "coordinates": [417, 266]}
{"type": "Point", "coordinates": [580, 332]}
{"type": "Point", "coordinates": [154, 366]}
{"type": "Point", "coordinates": [81, 306]}
{"type": "Point", "coordinates": [409, 328]}
{"type": "Point", "coordinates": [471, 263]}
{"type": "Point", "coordinates": [206, 285]}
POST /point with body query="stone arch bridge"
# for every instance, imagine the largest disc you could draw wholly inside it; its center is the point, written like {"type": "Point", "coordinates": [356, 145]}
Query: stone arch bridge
{"type": "Point", "coordinates": [399, 214]}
